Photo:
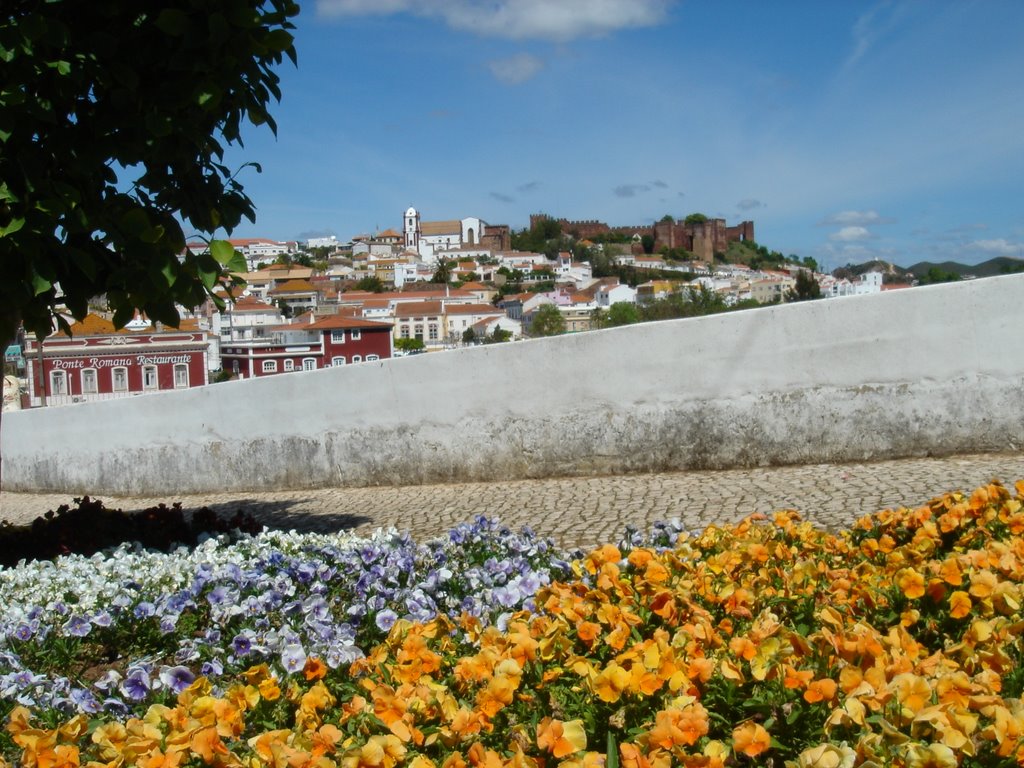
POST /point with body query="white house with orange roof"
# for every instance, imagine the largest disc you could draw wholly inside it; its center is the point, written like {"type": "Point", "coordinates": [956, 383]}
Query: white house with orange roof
{"type": "Point", "coordinates": [246, 318]}
{"type": "Point", "coordinates": [607, 295]}
{"type": "Point", "coordinates": [460, 317]}
{"type": "Point", "coordinates": [295, 296]}
{"type": "Point", "coordinates": [256, 250]}
{"type": "Point", "coordinates": [422, 320]}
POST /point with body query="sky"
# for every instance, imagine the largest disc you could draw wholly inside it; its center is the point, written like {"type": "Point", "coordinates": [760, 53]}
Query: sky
{"type": "Point", "coordinates": [845, 130]}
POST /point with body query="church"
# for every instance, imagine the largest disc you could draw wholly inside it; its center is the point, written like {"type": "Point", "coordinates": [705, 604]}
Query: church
{"type": "Point", "coordinates": [427, 238]}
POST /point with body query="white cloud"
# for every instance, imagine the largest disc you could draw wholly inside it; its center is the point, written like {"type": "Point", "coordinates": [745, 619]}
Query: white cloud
{"type": "Point", "coordinates": [516, 19]}
{"type": "Point", "coordinates": [878, 22]}
{"type": "Point", "coordinates": [855, 218]}
{"type": "Point", "coordinates": [1000, 247]}
{"type": "Point", "coordinates": [851, 234]}
{"type": "Point", "coordinates": [515, 69]}
{"type": "Point", "coordinates": [749, 203]}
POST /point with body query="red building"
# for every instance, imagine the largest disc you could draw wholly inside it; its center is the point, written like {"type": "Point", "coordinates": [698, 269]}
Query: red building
{"type": "Point", "coordinates": [308, 345]}
{"type": "Point", "coordinates": [98, 362]}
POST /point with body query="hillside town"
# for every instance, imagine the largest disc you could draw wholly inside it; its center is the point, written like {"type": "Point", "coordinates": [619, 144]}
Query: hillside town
{"type": "Point", "coordinates": [428, 287]}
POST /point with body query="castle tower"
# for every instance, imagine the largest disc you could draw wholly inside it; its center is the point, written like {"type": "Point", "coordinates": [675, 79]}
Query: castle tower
{"type": "Point", "coordinates": [412, 229]}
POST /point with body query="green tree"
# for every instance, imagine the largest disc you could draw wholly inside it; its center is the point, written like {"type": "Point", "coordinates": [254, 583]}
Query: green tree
{"type": "Point", "coordinates": [370, 283]}
{"type": "Point", "coordinates": [409, 345]}
{"type": "Point", "coordinates": [696, 218]}
{"type": "Point", "coordinates": [114, 119]}
{"type": "Point", "coordinates": [647, 241]}
{"type": "Point", "coordinates": [806, 288]}
{"type": "Point", "coordinates": [469, 336]}
{"type": "Point", "coordinates": [939, 275]}
{"type": "Point", "coordinates": [442, 271]}
{"type": "Point", "coordinates": [498, 336]}
{"type": "Point", "coordinates": [547, 321]}
{"type": "Point", "coordinates": [622, 313]}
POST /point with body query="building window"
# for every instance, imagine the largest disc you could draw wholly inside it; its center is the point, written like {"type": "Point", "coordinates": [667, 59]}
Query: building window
{"type": "Point", "coordinates": [419, 332]}
{"type": "Point", "coordinates": [356, 335]}
{"type": "Point", "coordinates": [289, 365]}
{"type": "Point", "coordinates": [235, 367]}
{"type": "Point", "coordinates": [58, 383]}
{"type": "Point", "coordinates": [149, 379]}
{"type": "Point", "coordinates": [120, 377]}
{"type": "Point", "coordinates": [89, 382]}
{"type": "Point", "coordinates": [337, 337]}
{"type": "Point", "coordinates": [357, 358]}
{"type": "Point", "coordinates": [270, 366]}
{"type": "Point", "coordinates": [371, 358]}
{"type": "Point", "coordinates": [404, 333]}
{"type": "Point", "coordinates": [309, 363]}
{"type": "Point", "coordinates": [336, 361]}
{"type": "Point", "coordinates": [433, 332]}
{"type": "Point", "coordinates": [180, 376]}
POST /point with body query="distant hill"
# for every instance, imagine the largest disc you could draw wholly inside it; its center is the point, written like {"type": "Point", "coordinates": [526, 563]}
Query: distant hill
{"type": "Point", "coordinates": [1000, 265]}
{"type": "Point", "coordinates": [891, 273]}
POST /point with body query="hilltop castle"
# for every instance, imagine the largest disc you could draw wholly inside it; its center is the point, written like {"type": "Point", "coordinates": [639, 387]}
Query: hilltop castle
{"type": "Point", "coordinates": [702, 238]}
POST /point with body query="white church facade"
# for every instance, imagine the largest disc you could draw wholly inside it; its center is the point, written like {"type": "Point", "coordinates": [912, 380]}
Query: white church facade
{"type": "Point", "coordinates": [428, 238]}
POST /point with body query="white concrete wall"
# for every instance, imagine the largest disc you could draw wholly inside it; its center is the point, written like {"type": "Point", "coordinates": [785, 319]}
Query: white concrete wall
{"type": "Point", "coordinates": [934, 370]}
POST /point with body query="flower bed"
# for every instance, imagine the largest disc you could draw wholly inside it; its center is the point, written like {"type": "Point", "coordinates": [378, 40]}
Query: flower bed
{"type": "Point", "coordinates": [897, 642]}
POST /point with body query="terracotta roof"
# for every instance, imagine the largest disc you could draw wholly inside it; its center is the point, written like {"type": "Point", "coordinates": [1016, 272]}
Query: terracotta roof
{"type": "Point", "coordinates": [472, 309]}
{"type": "Point", "coordinates": [441, 228]}
{"type": "Point", "coordinates": [293, 286]}
{"type": "Point", "coordinates": [94, 325]}
{"type": "Point", "coordinates": [474, 286]}
{"type": "Point", "coordinates": [388, 233]}
{"type": "Point", "coordinates": [241, 242]}
{"type": "Point", "coordinates": [345, 321]}
{"type": "Point", "coordinates": [251, 304]}
{"type": "Point", "coordinates": [91, 325]}
{"type": "Point", "coordinates": [418, 308]}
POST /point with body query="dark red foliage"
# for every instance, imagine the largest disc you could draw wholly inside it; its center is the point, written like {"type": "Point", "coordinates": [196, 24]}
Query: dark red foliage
{"type": "Point", "coordinates": [88, 527]}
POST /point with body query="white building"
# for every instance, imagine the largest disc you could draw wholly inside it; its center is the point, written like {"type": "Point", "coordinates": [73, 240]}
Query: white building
{"type": "Point", "coordinates": [614, 294]}
{"type": "Point", "coordinates": [869, 282]}
{"type": "Point", "coordinates": [429, 237]}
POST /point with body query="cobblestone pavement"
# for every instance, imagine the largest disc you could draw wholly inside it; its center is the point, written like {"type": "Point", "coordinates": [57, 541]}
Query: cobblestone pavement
{"type": "Point", "coordinates": [590, 510]}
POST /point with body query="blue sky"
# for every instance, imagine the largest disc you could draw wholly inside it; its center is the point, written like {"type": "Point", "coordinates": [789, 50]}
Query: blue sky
{"type": "Point", "coordinates": [845, 130]}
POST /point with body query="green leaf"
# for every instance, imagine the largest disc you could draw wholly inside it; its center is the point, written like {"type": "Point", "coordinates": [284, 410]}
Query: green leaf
{"type": "Point", "coordinates": [169, 273]}
{"type": "Point", "coordinates": [153, 234]}
{"type": "Point", "coordinates": [222, 251]}
{"type": "Point", "coordinates": [135, 222]}
{"type": "Point", "coordinates": [40, 284]}
{"type": "Point", "coordinates": [172, 21]}
{"type": "Point", "coordinates": [237, 264]}
{"type": "Point", "coordinates": [13, 227]}
{"type": "Point", "coordinates": [278, 40]}
{"type": "Point", "coordinates": [612, 752]}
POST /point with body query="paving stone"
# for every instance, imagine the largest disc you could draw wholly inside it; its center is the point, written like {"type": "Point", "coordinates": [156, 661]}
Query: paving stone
{"type": "Point", "coordinates": [583, 511]}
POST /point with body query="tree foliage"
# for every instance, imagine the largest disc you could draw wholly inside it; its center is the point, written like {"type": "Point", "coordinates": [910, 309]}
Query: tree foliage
{"type": "Point", "coordinates": [622, 313]}
{"type": "Point", "coordinates": [547, 321]}
{"type": "Point", "coordinates": [114, 121]}
{"type": "Point", "coordinates": [370, 283]}
{"type": "Point", "coordinates": [806, 288]}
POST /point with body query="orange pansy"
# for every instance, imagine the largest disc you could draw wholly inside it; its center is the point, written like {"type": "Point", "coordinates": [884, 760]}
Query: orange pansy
{"type": "Point", "coordinates": [750, 739]}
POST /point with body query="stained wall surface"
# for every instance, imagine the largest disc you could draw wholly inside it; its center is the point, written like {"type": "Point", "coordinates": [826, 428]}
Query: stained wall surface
{"type": "Point", "coordinates": [925, 371]}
